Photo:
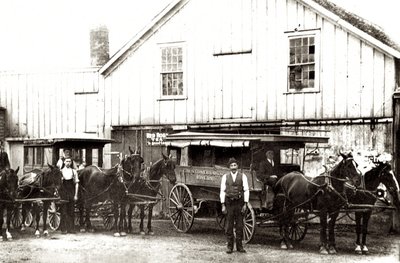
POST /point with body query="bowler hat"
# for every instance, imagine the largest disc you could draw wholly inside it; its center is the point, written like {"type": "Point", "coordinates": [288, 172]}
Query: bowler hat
{"type": "Point", "coordinates": [231, 161]}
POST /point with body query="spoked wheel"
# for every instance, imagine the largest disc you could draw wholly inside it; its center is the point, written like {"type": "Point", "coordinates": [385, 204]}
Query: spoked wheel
{"type": "Point", "coordinates": [108, 221]}
{"type": "Point", "coordinates": [16, 218]}
{"type": "Point", "coordinates": [181, 207]}
{"type": "Point", "coordinates": [298, 229]}
{"type": "Point", "coordinates": [53, 215]}
{"type": "Point", "coordinates": [249, 224]}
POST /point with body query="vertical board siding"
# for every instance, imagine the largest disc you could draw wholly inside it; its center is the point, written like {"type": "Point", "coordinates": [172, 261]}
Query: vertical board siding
{"type": "Point", "coordinates": [39, 104]}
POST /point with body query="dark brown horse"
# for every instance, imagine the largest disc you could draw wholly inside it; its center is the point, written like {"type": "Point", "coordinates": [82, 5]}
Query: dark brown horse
{"type": "Point", "coordinates": [382, 173]}
{"type": "Point", "coordinates": [150, 186]}
{"type": "Point", "coordinates": [98, 185]}
{"type": "Point", "coordinates": [325, 193]}
{"type": "Point", "coordinates": [8, 191]}
{"type": "Point", "coordinates": [39, 184]}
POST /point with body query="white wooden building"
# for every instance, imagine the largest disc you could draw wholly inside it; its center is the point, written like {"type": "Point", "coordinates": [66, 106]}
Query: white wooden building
{"type": "Point", "coordinates": [292, 66]}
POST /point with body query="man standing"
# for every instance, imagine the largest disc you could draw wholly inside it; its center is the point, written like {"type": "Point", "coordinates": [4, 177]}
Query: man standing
{"type": "Point", "coordinates": [69, 193]}
{"type": "Point", "coordinates": [4, 161]}
{"type": "Point", "coordinates": [234, 197]}
{"type": "Point", "coordinates": [267, 173]}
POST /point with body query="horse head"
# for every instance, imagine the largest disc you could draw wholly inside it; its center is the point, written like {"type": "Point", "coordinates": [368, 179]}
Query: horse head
{"type": "Point", "coordinates": [52, 179]}
{"type": "Point", "coordinates": [9, 182]}
{"type": "Point", "coordinates": [346, 171]}
{"type": "Point", "coordinates": [387, 177]}
{"type": "Point", "coordinates": [132, 164]}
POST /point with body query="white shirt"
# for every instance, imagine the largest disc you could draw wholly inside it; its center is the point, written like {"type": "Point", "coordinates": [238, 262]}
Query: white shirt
{"type": "Point", "coordinates": [246, 192]}
{"type": "Point", "coordinates": [69, 173]}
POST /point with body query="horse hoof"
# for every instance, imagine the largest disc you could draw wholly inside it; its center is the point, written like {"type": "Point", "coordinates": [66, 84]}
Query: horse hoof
{"type": "Point", "coordinates": [117, 234]}
{"type": "Point", "coordinates": [123, 234]}
{"type": "Point", "coordinates": [332, 250]}
{"type": "Point", "coordinates": [364, 249]}
{"type": "Point", "coordinates": [46, 233]}
{"type": "Point", "coordinates": [323, 251]}
{"type": "Point", "coordinates": [151, 233]}
{"type": "Point", "coordinates": [82, 230]}
{"type": "Point", "coordinates": [1, 238]}
{"type": "Point", "coordinates": [284, 246]}
{"type": "Point", "coordinates": [358, 250]}
{"type": "Point", "coordinates": [37, 233]}
{"type": "Point", "coordinates": [290, 246]}
{"type": "Point", "coordinates": [142, 233]}
{"type": "Point", "coordinates": [91, 230]}
{"type": "Point", "coordinates": [23, 228]}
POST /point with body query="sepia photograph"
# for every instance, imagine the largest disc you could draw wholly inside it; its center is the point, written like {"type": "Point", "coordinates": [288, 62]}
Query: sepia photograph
{"type": "Point", "coordinates": [199, 131]}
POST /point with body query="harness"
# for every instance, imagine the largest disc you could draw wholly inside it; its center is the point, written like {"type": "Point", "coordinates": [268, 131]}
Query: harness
{"type": "Point", "coordinates": [40, 187]}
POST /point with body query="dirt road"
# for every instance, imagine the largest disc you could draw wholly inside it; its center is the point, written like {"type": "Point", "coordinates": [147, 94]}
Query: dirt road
{"type": "Point", "coordinates": [205, 243]}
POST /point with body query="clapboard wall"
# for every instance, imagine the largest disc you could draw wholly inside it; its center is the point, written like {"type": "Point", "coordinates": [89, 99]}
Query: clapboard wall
{"type": "Point", "coordinates": [356, 79]}
{"type": "Point", "coordinates": [43, 103]}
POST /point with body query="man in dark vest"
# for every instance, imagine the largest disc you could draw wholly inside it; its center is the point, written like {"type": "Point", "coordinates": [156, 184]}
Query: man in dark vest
{"type": "Point", "coordinates": [234, 197]}
{"type": "Point", "coordinates": [4, 161]}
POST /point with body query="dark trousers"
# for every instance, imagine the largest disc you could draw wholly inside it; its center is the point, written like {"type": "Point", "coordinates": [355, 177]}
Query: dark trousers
{"type": "Point", "coordinates": [234, 219]}
{"type": "Point", "coordinates": [67, 209]}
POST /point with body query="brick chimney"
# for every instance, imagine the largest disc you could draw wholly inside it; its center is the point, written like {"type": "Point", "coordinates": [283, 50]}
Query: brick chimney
{"type": "Point", "coordinates": [99, 46]}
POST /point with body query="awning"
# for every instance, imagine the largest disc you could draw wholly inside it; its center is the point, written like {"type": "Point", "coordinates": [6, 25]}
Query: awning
{"type": "Point", "coordinates": [218, 143]}
{"type": "Point", "coordinates": [184, 139]}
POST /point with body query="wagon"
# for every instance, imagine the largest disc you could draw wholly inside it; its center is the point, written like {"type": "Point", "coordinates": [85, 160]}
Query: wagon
{"type": "Point", "coordinates": [84, 148]}
{"type": "Point", "coordinates": [202, 159]}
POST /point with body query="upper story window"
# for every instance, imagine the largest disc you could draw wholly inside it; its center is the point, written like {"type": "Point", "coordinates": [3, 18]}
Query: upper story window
{"type": "Point", "coordinates": [172, 71]}
{"type": "Point", "coordinates": [303, 66]}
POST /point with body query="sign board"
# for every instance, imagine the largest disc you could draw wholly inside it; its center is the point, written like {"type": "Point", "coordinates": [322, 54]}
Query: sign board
{"type": "Point", "coordinates": [155, 138]}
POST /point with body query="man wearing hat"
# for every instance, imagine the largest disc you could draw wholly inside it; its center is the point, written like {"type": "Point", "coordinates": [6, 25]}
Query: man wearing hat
{"type": "Point", "coordinates": [234, 197]}
{"type": "Point", "coordinates": [4, 161]}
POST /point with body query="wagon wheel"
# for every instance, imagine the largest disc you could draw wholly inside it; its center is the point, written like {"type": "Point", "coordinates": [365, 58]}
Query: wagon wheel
{"type": "Point", "coordinates": [298, 229]}
{"type": "Point", "coordinates": [181, 207]}
{"type": "Point", "coordinates": [16, 218]}
{"type": "Point", "coordinates": [249, 224]}
{"type": "Point", "coordinates": [53, 215]}
{"type": "Point", "coordinates": [108, 221]}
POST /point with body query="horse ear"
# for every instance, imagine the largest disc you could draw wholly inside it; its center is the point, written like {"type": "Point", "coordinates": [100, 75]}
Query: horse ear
{"type": "Point", "coordinates": [50, 166]}
{"type": "Point", "coordinates": [16, 171]}
{"type": "Point", "coordinates": [130, 150]}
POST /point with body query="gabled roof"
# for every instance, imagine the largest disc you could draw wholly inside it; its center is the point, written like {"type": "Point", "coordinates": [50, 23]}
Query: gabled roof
{"type": "Point", "coordinates": [337, 15]}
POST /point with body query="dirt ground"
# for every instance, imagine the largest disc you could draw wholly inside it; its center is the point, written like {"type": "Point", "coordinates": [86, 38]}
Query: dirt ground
{"type": "Point", "coordinates": [204, 243]}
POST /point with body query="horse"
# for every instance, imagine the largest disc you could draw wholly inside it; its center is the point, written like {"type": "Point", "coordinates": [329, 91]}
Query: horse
{"type": "Point", "coordinates": [99, 185]}
{"type": "Point", "coordinates": [150, 186]}
{"type": "Point", "coordinates": [38, 184]}
{"type": "Point", "coordinates": [8, 191]}
{"type": "Point", "coordinates": [325, 193]}
{"type": "Point", "coordinates": [381, 173]}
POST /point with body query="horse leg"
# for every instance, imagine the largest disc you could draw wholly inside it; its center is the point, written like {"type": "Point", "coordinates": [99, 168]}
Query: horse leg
{"type": "Point", "coordinates": [1, 220]}
{"type": "Point", "coordinates": [36, 212]}
{"type": "Point", "coordinates": [322, 234]}
{"type": "Point", "coordinates": [116, 216]}
{"type": "Point", "coordinates": [25, 207]}
{"type": "Point", "coordinates": [358, 216]}
{"type": "Point", "coordinates": [141, 220]}
{"type": "Point", "coordinates": [149, 216]}
{"type": "Point", "coordinates": [8, 223]}
{"type": "Point", "coordinates": [130, 210]}
{"type": "Point", "coordinates": [366, 217]}
{"type": "Point", "coordinates": [88, 209]}
{"type": "Point", "coordinates": [81, 219]}
{"type": "Point", "coordinates": [122, 219]}
{"type": "Point", "coordinates": [332, 242]}
{"type": "Point", "coordinates": [45, 211]}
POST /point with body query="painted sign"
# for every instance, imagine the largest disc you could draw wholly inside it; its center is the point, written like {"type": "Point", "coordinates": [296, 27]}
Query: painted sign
{"type": "Point", "coordinates": [155, 138]}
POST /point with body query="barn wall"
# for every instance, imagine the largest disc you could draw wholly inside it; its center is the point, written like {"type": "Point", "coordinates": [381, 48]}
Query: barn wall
{"type": "Point", "coordinates": [43, 103]}
{"type": "Point", "coordinates": [241, 75]}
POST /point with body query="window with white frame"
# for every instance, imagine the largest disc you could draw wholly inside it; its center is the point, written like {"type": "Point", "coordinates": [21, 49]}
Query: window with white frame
{"type": "Point", "coordinates": [172, 71]}
{"type": "Point", "coordinates": [303, 63]}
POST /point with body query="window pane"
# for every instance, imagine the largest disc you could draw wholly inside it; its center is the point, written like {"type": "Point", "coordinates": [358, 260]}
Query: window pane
{"type": "Point", "coordinates": [39, 156]}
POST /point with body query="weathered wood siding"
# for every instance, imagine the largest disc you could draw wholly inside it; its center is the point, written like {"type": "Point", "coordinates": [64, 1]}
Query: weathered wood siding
{"type": "Point", "coordinates": [355, 79]}
{"type": "Point", "coordinates": [39, 104]}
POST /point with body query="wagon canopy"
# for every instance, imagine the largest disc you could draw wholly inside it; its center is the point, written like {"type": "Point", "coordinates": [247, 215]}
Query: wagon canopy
{"type": "Point", "coordinates": [184, 139]}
